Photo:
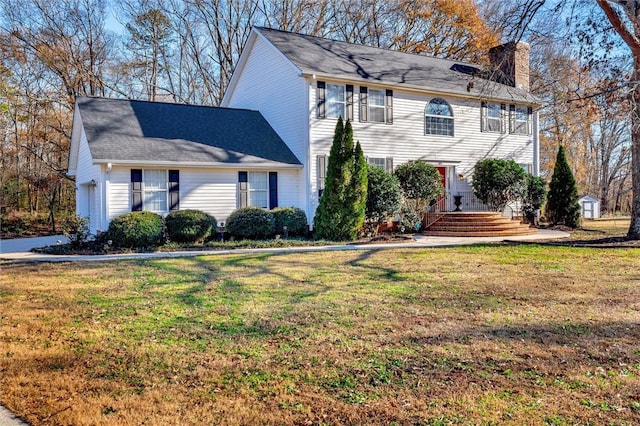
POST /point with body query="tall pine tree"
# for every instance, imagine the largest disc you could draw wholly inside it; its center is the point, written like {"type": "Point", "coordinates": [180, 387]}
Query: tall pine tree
{"type": "Point", "coordinates": [340, 213]}
{"type": "Point", "coordinates": [562, 200]}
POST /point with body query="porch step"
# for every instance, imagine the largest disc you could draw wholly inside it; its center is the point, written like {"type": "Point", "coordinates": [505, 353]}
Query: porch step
{"type": "Point", "coordinates": [484, 224]}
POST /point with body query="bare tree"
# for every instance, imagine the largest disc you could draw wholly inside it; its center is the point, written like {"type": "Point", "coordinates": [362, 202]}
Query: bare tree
{"type": "Point", "coordinates": [625, 18]}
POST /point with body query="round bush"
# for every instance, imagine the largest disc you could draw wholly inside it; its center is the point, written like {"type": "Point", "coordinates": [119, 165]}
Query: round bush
{"type": "Point", "coordinates": [189, 226]}
{"type": "Point", "coordinates": [251, 223]}
{"type": "Point", "coordinates": [136, 230]}
{"type": "Point", "coordinates": [293, 218]}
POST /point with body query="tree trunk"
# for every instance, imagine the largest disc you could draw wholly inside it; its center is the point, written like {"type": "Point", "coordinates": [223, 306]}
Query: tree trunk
{"type": "Point", "coordinates": [634, 228]}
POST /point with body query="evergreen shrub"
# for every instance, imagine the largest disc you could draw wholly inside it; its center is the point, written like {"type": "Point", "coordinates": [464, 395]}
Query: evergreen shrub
{"type": "Point", "coordinates": [293, 218]}
{"type": "Point", "coordinates": [136, 230]}
{"type": "Point", "coordinates": [251, 223]}
{"type": "Point", "coordinates": [189, 226]}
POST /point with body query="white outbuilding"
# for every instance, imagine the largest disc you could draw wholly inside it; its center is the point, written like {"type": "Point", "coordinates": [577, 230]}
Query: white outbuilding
{"type": "Point", "coordinates": [589, 207]}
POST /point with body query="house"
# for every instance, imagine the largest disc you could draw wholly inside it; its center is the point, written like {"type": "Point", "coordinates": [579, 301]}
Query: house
{"type": "Point", "coordinates": [136, 155]}
{"type": "Point", "coordinates": [402, 106]}
{"type": "Point", "coordinates": [271, 137]}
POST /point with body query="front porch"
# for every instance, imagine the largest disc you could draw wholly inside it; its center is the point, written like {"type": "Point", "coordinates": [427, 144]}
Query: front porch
{"type": "Point", "coordinates": [463, 215]}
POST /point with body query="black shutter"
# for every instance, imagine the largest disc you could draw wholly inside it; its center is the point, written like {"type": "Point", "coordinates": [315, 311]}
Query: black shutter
{"type": "Point", "coordinates": [512, 118]}
{"type": "Point", "coordinates": [484, 120]}
{"type": "Point", "coordinates": [136, 190]}
{"type": "Point", "coordinates": [529, 120]}
{"type": "Point", "coordinates": [349, 102]}
{"type": "Point", "coordinates": [503, 118]}
{"type": "Point", "coordinates": [243, 186]}
{"type": "Point", "coordinates": [321, 172]}
{"type": "Point", "coordinates": [389, 106]}
{"type": "Point", "coordinates": [174, 190]}
{"type": "Point", "coordinates": [363, 104]}
{"type": "Point", "coordinates": [321, 98]}
{"type": "Point", "coordinates": [273, 190]}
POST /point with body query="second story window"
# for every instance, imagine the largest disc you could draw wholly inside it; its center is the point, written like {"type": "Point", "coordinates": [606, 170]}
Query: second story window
{"type": "Point", "coordinates": [438, 117]}
{"type": "Point", "coordinates": [520, 120]}
{"type": "Point", "coordinates": [336, 101]}
{"type": "Point", "coordinates": [376, 105]}
{"type": "Point", "coordinates": [493, 117]}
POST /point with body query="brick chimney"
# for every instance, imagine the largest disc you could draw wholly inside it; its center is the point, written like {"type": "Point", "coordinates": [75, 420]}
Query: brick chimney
{"type": "Point", "coordinates": [512, 59]}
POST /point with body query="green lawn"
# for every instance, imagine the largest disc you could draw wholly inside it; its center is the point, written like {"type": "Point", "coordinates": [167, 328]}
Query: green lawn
{"type": "Point", "coordinates": [489, 334]}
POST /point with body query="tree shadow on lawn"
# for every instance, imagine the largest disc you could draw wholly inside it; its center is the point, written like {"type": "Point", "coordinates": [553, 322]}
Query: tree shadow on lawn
{"type": "Point", "coordinates": [571, 341]}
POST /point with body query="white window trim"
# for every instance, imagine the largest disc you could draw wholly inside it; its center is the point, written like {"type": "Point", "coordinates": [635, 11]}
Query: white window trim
{"type": "Point", "coordinates": [251, 190]}
{"type": "Point", "coordinates": [446, 117]}
{"type": "Point", "coordinates": [329, 101]}
{"type": "Point", "coordinates": [146, 191]}
{"type": "Point", "coordinates": [499, 119]}
{"type": "Point", "coordinates": [382, 107]}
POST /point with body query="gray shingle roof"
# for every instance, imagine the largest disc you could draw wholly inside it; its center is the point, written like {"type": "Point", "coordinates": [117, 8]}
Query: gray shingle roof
{"type": "Point", "coordinates": [353, 62]}
{"type": "Point", "coordinates": [127, 130]}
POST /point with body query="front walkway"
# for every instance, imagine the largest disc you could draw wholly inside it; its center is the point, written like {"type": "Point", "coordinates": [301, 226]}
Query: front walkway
{"type": "Point", "coordinates": [13, 253]}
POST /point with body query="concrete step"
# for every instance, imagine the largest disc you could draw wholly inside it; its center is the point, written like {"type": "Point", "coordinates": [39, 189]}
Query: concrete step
{"type": "Point", "coordinates": [484, 224]}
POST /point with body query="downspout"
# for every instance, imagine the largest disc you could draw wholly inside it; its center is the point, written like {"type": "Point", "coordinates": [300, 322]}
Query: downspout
{"type": "Point", "coordinates": [536, 144]}
{"type": "Point", "coordinates": [107, 189]}
{"type": "Point", "coordinates": [307, 165]}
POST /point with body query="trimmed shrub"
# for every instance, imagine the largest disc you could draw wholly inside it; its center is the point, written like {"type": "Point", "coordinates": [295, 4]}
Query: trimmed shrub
{"type": "Point", "coordinates": [136, 230]}
{"type": "Point", "coordinates": [293, 218]}
{"type": "Point", "coordinates": [252, 223]}
{"type": "Point", "coordinates": [421, 183]}
{"type": "Point", "coordinates": [189, 226]}
{"type": "Point", "coordinates": [498, 182]}
{"type": "Point", "coordinates": [384, 196]}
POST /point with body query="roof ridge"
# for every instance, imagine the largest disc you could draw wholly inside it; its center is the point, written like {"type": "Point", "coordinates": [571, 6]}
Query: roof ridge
{"type": "Point", "coordinates": [177, 104]}
{"type": "Point", "coordinates": [385, 49]}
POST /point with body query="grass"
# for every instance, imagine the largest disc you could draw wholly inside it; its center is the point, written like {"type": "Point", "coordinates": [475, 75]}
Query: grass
{"type": "Point", "coordinates": [487, 334]}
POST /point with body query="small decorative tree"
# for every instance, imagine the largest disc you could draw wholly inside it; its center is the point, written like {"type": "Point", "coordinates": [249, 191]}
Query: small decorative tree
{"type": "Point", "coordinates": [535, 196]}
{"type": "Point", "coordinates": [420, 183]}
{"type": "Point", "coordinates": [383, 197]}
{"type": "Point", "coordinates": [340, 214]}
{"type": "Point", "coordinates": [562, 204]}
{"type": "Point", "coordinates": [498, 182]}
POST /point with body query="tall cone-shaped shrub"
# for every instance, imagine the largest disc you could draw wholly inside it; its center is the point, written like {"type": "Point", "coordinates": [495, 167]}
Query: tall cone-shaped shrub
{"type": "Point", "coordinates": [341, 210]}
{"type": "Point", "coordinates": [562, 200]}
{"type": "Point", "coordinates": [359, 183]}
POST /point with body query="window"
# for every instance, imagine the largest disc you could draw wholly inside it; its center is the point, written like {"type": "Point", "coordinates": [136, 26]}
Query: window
{"type": "Point", "coordinates": [258, 189]}
{"type": "Point", "coordinates": [376, 106]}
{"type": "Point", "coordinates": [520, 120]}
{"type": "Point", "coordinates": [385, 163]}
{"type": "Point", "coordinates": [335, 101]}
{"type": "Point", "coordinates": [321, 172]}
{"type": "Point", "coordinates": [493, 117]}
{"type": "Point", "coordinates": [526, 167]}
{"type": "Point", "coordinates": [438, 118]}
{"type": "Point", "coordinates": [155, 190]}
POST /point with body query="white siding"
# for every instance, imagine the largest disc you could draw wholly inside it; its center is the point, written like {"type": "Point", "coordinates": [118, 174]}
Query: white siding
{"type": "Point", "coordinates": [88, 198]}
{"type": "Point", "coordinates": [119, 199]}
{"type": "Point", "coordinates": [269, 83]}
{"type": "Point", "coordinates": [405, 139]}
{"type": "Point", "coordinates": [213, 191]}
